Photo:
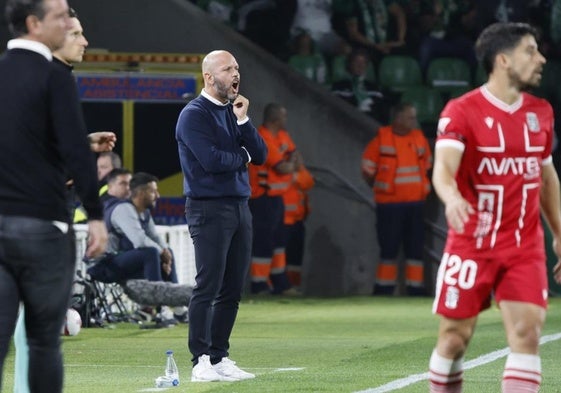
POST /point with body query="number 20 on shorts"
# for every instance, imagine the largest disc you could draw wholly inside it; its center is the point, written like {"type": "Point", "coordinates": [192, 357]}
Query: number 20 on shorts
{"type": "Point", "coordinates": [458, 272]}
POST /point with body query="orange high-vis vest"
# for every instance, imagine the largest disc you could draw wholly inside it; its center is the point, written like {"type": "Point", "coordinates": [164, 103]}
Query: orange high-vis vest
{"type": "Point", "coordinates": [296, 206]}
{"type": "Point", "coordinates": [398, 165]}
{"type": "Point", "coordinates": [264, 178]}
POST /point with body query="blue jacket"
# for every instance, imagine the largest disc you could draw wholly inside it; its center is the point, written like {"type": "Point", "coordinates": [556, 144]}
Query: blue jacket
{"type": "Point", "coordinates": [210, 150]}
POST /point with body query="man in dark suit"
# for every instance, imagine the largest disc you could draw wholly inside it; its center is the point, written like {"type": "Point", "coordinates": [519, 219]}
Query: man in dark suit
{"type": "Point", "coordinates": [216, 142]}
{"type": "Point", "coordinates": [44, 141]}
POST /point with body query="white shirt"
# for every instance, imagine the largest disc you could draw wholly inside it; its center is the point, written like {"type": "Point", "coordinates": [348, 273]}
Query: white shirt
{"type": "Point", "coordinates": [313, 16]}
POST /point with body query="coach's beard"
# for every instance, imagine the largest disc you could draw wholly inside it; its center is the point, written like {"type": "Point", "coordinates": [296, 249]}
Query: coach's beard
{"type": "Point", "coordinates": [227, 93]}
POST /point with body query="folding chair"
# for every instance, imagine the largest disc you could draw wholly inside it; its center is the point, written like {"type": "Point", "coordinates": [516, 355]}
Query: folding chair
{"type": "Point", "coordinates": [112, 302]}
{"type": "Point", "coordinates": [99, 302]}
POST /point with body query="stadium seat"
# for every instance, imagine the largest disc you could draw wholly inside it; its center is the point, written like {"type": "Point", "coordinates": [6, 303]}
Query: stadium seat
{"type": "Point", "coordinates": [312, 67]}
{"type": "Point", "coordinates": [338, 70]}
{"type": "Point", "coordinates": [397, 73]}
{"type": "Point", "coordinates": [429, 104]}
{"type": "Point", "coordinates": [448, 73]}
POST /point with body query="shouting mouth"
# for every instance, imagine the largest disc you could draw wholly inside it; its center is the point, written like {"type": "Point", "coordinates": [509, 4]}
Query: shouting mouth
{"type": "Point", "coordinates": [539, 72]}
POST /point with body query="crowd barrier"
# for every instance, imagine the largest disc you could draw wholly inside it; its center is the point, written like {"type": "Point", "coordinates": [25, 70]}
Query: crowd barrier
{"type": "Point", "coordinates": [176, 236]}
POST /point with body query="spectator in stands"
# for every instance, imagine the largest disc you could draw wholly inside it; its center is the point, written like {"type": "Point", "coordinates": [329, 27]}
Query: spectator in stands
{"type": "Point", "coordinates": [544, 15]}
{"type": "Point", "coordinates": [395, 165]}
{"type": "Point", "coordinates": [365, 24]}
{"type": "Point", "coordinates": [267, 23]}
{"type": "Point", "coordinates": [357, 89]}
{"type": "Point", "coordinates": [307, 60]}
{"type": "Point", "coordinates": [268, 184]}
{"type": "Point", "coordinates": [491, 11]}
{"type": "Point", "coordinates": [412, 10]}
{"type": "Point", "coordinates": [449, 31]}
{"type": "Point", "coordinates": [314, 18]}
{"type": "Point", "coordinates": [135, 250]}
{"type": "Point", "coordinates": [222, 10]}
{"type": "Point", "coordinates": [296, 209]}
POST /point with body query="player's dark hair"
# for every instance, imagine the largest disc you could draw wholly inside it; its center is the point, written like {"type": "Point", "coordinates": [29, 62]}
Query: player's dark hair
{"type": "Point", "coordinates": [72, 13]}
{"type": "Point", "coordinates": [17, 11]}
{"type": "Point", "coordinates": [500, 37]}
{"type": "Point", "coordinates": [140, 180]}
{"type": "Point", "coordinates": [116, 172]}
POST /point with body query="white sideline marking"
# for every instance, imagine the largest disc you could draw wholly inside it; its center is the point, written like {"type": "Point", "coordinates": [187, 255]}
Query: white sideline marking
{"type": "Point", "coordinates": [479, 361]}
{"type": "Point", "coordinates": [275, 370]}
{"type": "Point", "coordinates": [288, 369]}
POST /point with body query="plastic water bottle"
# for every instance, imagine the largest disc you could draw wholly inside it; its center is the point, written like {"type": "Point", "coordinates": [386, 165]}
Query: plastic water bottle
{"type": "Point", "coordinates": [171, 369]}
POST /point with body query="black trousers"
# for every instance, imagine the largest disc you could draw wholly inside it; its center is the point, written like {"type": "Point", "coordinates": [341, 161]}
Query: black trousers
{"type": "Point", "coordinates": [401, 223]}
{"type": "Point", "coordinates": [295, 238]}
{"type": "Point", "coordinates": [222, 235]}
{"type": "Point", "coordinates": [138, 263]}
{"type": "Point", "coordinates": [37, 267]}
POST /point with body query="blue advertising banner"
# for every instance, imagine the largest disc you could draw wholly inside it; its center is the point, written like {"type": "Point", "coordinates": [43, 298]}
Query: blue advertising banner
{"type": "Point", "coordinates": [169, 211]}
{"type": "Point", "coordinates": [132, 86]}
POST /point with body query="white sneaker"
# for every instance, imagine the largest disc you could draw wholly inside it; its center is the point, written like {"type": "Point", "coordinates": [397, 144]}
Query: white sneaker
{"type": "Point", "coordinates": [166, 312]}
{"type": "Point", "coordinates": [165, 318]}
{"type": "Point", "coordinates": [204, 372]}
{"type": "Point", "coordinates": [227, 368]}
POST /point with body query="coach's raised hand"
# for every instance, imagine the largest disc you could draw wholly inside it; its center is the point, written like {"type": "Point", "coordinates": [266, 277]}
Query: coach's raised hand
{"type": "Point", "coordinates": [240, 106]}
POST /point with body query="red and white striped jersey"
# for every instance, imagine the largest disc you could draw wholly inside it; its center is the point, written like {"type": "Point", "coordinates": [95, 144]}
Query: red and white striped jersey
{"type": "Point", "coordinates": [504, 148]}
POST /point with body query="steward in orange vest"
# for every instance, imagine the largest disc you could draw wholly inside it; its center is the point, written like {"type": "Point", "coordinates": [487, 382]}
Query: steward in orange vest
{"type": "Point", "coordinates": [268, 183]}
{"type": "Point", "coordinates": [296, 209]}
{"type": "Point", "coordinates": [395, 165]}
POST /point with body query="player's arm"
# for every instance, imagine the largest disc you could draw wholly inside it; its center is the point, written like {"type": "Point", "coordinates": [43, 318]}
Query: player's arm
{"type": "Point", "coordinates": [550, 202]}
{"type": "Point", "coordinates": [457, 209]}
{"type": "Point", "coordinates": [550, 199]}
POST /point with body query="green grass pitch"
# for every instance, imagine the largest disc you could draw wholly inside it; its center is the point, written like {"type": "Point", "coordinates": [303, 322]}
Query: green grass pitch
{"type": "Point", "coordinates": [297, 345]}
